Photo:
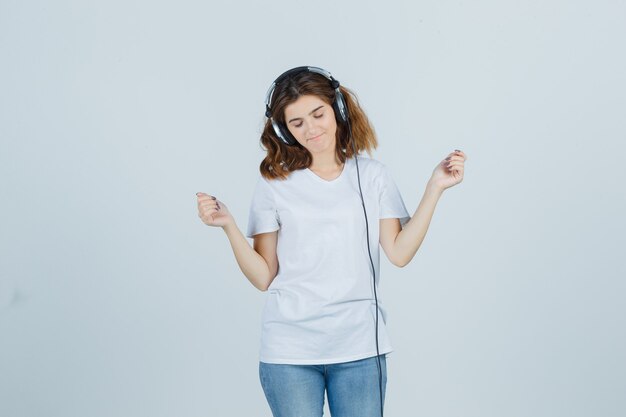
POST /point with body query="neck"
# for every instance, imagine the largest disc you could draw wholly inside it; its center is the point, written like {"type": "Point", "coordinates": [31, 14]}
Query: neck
{"type": "Point", "coordinates": [328, 162]}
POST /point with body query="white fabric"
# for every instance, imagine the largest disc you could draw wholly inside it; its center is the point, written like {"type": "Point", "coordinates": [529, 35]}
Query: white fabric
{"type": "Point", "coordinates": [320, 307]}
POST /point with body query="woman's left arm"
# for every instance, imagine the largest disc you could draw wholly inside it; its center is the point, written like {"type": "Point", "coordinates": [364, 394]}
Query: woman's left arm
{"type": "Point", "coordinates": [401, 244]}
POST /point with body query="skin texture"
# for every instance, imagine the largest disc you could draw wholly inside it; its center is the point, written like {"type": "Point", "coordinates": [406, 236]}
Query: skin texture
{"type": "Point", "coordinates": [312, 122]}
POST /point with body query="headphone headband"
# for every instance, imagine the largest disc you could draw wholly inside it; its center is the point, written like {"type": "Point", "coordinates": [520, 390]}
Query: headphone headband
{"type": "Point", "coordinates": [293, 71]}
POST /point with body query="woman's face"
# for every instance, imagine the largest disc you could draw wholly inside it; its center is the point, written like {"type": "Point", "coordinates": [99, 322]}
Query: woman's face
{"type": "Point", "coordinates": [312, 122]}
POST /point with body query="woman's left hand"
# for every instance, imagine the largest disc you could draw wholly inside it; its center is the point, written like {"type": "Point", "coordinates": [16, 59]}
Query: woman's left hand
{"type": "Point", "coordinates": [449, 172]}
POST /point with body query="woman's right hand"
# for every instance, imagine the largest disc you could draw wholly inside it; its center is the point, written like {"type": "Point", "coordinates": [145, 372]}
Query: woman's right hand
{"type": "Point", "coordinates": [213, 212]}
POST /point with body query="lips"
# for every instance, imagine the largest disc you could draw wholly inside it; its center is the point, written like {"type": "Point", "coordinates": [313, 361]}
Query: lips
{"type": "Point", "coordinates": [316, 137]}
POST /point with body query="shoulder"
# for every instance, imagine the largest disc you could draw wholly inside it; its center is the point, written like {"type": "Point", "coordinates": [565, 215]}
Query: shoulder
{"type": "Point", "coordinates": [262, 182]}
{"type": "Point", "coordinates": [372, 165]}
{"type": "Point", "coordinates": [279, 183]}
{"type": "Point", "coordinates": [369, 162]}
{"type": "Point", "coordinates": [264, 186]}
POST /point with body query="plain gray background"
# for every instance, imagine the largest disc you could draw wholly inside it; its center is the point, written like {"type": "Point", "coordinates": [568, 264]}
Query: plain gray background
{"type": "Point", "coordinates": [115, 300]}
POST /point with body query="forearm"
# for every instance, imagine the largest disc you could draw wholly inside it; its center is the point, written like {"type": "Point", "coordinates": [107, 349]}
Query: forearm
{"type": "Point", "coordinates": [412, 235]}
{"type": "Point", "coordinates": [253, 265]}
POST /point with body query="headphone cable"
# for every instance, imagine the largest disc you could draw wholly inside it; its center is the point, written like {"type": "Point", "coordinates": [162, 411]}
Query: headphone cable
{"type": "Point", "coordinates": [380, 375]}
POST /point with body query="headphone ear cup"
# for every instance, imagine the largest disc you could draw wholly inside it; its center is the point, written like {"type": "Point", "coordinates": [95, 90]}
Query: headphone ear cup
{"type": "Point", "coordinates": [283, 135]}
{"type": "Point", "coordinates": [341, 109]}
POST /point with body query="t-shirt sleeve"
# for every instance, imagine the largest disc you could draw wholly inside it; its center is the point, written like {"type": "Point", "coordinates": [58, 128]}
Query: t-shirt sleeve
{"type": "Point", "coordinates": [263, 215]}
{"type": "Point", "coordinates": [391, 203]}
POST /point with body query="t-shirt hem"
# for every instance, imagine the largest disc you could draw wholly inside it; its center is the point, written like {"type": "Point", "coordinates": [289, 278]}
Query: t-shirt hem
{"type": "Point", "coordinates": [326, 361]}
{"type": "Point", "coordinates": [260, 230]}
{"type": "Point", "coordinates": [404, 218]}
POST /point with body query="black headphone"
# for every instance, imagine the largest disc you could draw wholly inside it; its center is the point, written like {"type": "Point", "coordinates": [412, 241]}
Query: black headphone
{"type": "Point", "coordinates": [339, 104]}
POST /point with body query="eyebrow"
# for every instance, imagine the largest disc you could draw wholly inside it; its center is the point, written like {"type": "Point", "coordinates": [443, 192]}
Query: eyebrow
{"type": "Point", "coordinates": [300, 118]}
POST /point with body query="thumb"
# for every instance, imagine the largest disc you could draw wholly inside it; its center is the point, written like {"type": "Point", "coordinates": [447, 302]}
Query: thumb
{"type": "Point", "coordinates": [200, 194]}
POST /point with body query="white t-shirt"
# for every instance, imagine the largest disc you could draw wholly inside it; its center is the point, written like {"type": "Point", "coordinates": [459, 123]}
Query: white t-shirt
{"type": "Point", "coordinates": [320, 306]}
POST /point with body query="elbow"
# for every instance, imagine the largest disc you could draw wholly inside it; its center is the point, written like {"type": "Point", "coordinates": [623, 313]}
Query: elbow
{"type": "Point", "coordinates": [401, 263]}
{"type": "Point", "coordinates": [264, 284]}
{"type": "Point", "coordinates": [403, 260]}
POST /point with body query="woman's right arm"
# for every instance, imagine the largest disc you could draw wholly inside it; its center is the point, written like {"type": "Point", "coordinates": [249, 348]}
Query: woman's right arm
{"type": "Point", "coordinates": [258, 264]}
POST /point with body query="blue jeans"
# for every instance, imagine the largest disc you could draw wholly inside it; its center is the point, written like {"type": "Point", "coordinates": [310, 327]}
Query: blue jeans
{"type": "Point", "coordinates": [298, 390]}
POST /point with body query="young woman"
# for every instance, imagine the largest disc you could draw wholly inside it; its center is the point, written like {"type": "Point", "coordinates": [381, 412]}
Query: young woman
{"type": "Point", "coordinates": [317, 206]}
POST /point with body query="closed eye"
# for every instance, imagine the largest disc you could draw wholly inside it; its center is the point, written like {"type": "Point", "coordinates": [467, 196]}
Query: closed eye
{"type": "Point", "coordinates": [312, 111]}
{"type": "Point", "coordinates": [317, 116]}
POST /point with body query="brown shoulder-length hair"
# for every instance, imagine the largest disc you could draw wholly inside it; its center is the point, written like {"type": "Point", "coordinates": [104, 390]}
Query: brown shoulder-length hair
{"type": "Point", "coordinates": [282, 159]}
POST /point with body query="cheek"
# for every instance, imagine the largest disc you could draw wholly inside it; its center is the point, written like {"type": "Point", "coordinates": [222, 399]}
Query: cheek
{"type": "Point", "coordinates": [297, 133]}
{"type": "Point", "coordinates": [331, 125]}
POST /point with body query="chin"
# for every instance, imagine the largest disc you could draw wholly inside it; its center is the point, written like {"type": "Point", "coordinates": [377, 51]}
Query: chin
{"type": "Point", "coordinates": [320, 149]}
{"type": "Point", "coordinates": [320, 143]}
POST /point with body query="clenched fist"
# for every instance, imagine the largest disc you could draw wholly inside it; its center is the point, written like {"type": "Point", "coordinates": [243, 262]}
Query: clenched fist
{"type": "Point", "coordinates": [213, 212]}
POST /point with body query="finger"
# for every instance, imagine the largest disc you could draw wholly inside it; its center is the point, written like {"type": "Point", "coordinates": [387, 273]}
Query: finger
{"type": "Point", "coordinates": [461, 153]}
{"type": "Point", "coordinates": [210, 205]}
{"type": "Point", "coordinates": [205, 200]}
{"type": "Point", "coordinates": [205, 196]}
{"type": "Point", "coordinates": [207, 215]}
{"type": "Point", "coordinates": [456, 168]}
{"type": "Point", "coordinates": [455, 157]}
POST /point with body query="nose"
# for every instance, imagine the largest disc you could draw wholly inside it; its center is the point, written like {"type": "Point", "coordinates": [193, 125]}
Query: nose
{"type": "Point", "coordinates": [312, 128]}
